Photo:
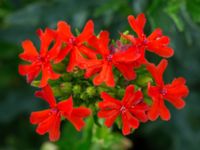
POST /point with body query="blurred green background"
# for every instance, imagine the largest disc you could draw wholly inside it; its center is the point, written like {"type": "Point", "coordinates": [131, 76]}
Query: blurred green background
{"type": "Point", "coordinates": [19, 19]}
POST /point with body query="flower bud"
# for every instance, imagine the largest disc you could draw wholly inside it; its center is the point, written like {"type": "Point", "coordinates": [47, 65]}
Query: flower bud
{"type": "Point", "coordinates": [142, 80]}
{"type": "Point", "coordinates": [76, 90]}
{"type": "Point", "coordinates": [84, 96]}
{"type": "Point", "coordinates": [91, 91]}
{"type": "Point", "coordinates": [66, 87]}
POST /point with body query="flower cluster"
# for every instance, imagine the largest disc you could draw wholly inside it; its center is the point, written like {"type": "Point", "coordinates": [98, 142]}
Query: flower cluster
{"type": "Point", "coordinates": [109, 64]}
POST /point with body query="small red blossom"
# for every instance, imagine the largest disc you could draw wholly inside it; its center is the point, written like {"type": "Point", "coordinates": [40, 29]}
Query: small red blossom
{"type": "Point", "coordinates": [173, 92]}
{"type": "Point", "coordinates": [131, 109]}
{"type": "Point", "coordinates": [49, 120]}
{"type": "Point", "coordinates": [40, 62]}
{"type": "Point", "coordinates": [103, 67]}
{"type": "Point", "coordinates": [156, 42]}
{"type": "Point", "coordinates": [75, 45]}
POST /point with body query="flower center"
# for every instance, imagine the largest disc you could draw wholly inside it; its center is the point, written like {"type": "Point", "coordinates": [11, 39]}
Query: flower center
{"type": "Point", "coordinates": [163, 91]}
{"type": "Point", "coordinates": [109, 57]}
{"type": "Point", "coordinates": [72, 40]}
{"type": "Point", "coordinates": [43, 59]}
{"type": "Point", "coordinates": [54, 110]}
{"type": "Point", "coordinates": [123, 109]}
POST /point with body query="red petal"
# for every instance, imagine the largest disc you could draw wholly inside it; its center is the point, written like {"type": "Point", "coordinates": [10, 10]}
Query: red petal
{"type": "Point", "coordinates": [157, 72]}
{"type": "Point", "coordinates": [39, 116]}
{"type": "Point", "coordinates": [45, 38]}
{"type": "Point", "coordinates": [77, 116]}
{"type": "Point", "coordinates": [54, 51]}
{"type": "Point", "coordinates": [126, 127]}
{"type": "Point", "coordinates": [54, 132]}
{"type": "Point", "coordinates": [164, 112]}
{"type": "Point", "coordinates": [160, 50]}
{"type": "Point", "coordinates": [105, 75]}
{"type": "Point", "coordinates": [47, 94]}
{"type": "Point", "coordinates": [31, 71]}
{"type": "Point", "coordinates": [129, 94]}
{"type": "Point", "coordinates": [88, 31]}
{"type": "Point", "coordinates": [137, 24]}
{"type": "Point", "coordinates": [30, 52]}
{"type": "Point", "coordinates": [153, 112]}
{"type": "Point", "coordinates": [126, 70]}
{"type": "Point", "coordinates": [101, 43]}
{"type": "Point", "coordinates": [128, 56]}
{"type": "Point", "coordinates": [72, 60]}
{"type": "Point", "coordinates": [91, 71]}
{"type": "Point", "coordinates": [155, 34]}
{"type": "Point", "coordinates": [45, 126]}
{"type": "Point", "coordinates": [64, 30]}
{"type": "Point", "coordinates": [106, 112]}
{"type": "Point", "coordinates": [63, 53]}
{"type": "Point", "coordinates": [110, 120]}
{"type": "Point", "coordinates": [81, 112]}
{"type": "Point", "coordinates": [140, 114]}
{"type": "Point", "coordinates": [47, 73]}
{"type": "Point", "coordinates": [107, 99]}
{"type": "Point", "coordinates": [178, 83]}
{"type": "Point", "coordinates": [87, 51]}
{"type": "Point", "coordinates": [177, 102]}
{"type": "Point", "coordinates": [66, 106]}
{"type": "Point", "coordinates": [128, 122]}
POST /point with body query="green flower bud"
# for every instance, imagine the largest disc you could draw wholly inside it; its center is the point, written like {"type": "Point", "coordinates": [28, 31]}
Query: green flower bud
{"type": "Point", "coordinates": [91, 91]}
{"type": "Point", "coordinates": [76, 90]}
{"type": "Point", "coordinates": [143, 80]}
{"type": "Point", "coordinates": [35, 83]}
{"type": "Point", "coordinates": [84, 96]}
{"type": "Point", "coordinates": [66, 87]}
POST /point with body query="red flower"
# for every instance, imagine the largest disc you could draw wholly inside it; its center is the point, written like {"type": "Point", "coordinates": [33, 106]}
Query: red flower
{"type": "Point", "coordinates": [49, 120]}
{"type": "Point", "coordinates": [40, 62]}
{"type": "Point", "coordinates": [121, 60]}
{"type": "Point", "coordinates": [75, 45]}
{"type": "Point", "coordinates": [156, 42]}
{"type": "Point", "coordinates": [131, 109]}
{"type": "Point", "coordinates": [173, 92]}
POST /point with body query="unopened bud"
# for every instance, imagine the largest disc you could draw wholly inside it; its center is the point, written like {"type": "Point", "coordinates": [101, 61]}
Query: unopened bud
{"type": "Point", "coordinates": [91, 91]}
{"type": "Point", "coordinates": [76, 90]}
{"type": "Point", "coordinates": [142, 80]}
{"type": "Point", "coordinates": [84, 96]}
{"type": "Point", "coordinates": [35, 83]}
{"type": "Point", "coordinates": [66, 87]}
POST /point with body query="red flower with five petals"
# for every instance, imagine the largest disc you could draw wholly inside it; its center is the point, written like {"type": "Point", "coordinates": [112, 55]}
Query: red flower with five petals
{"type": "Point", "coordinates": [156, 42]}
{"type": "Point", "coordinates": [40, 62]}
{"type": "Point", "coordinates": [49, 120]}
{"type": "Point", "coordinates": [75, 45]}
{"type": "Point", "coordinates": [131, 109]}
{"type": "Point", "coordinates": [173, 92]}
{"type": "Point", "coordinates": [122, 60]}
